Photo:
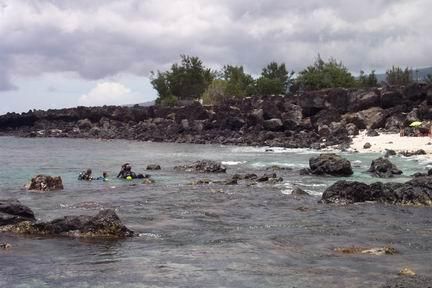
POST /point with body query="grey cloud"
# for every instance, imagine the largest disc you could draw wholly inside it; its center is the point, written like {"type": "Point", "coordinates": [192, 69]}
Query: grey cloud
{"type": "Point", "coordinates": [97, 39]}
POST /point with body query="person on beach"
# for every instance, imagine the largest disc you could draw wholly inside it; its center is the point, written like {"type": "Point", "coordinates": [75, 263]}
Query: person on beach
{"type": "Point", "coordinates": [85, 175]}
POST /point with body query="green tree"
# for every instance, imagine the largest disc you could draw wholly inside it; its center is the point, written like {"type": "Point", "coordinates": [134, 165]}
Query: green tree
{"type": "Point", "coordinates": [185, 81]}
{"type": "Point", "coordinates": [274, 79]}
{"type": "Point", "coordinates": [239, 83]}
{"type": "Point", "coordinates": [216, 92]}
{"type": "Point", "coordinates": [399, 76]}
{"type": "Point", "coordinates": [368, 81]}
{"type": "Point", "coordinates": [323, 74]}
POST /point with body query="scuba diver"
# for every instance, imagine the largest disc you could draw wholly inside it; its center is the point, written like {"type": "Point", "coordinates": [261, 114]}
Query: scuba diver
{"type": "Point", "coordinates": [85, 175]}
{"type": "Point", "coordinates": [127, 173]}
{"type": "Point", "coordinates": [104, 177]}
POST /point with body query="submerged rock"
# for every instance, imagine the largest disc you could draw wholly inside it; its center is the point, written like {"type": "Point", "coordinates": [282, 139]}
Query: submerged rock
{"type": "Point", "coordinates": [13, 212]}
{"type": "Point", "coordinates": [409, 282]}
{"type": "Point", "coordinates": [330, 164]}
{"type": "Point", "coordinates": [46, 183]}
{"type": "Point", "coordinates": [299, 192]}
{"type": "Point", "coordinates": [270, 178]}
{"type": "Point", "coordinates": [389, 152]}
{"type": "Point", "coordinates": [413, 153]}
{"type": "Point", "coordinates": [383, 168]}
{"type": "Point", "coordinates": [417, 191]}
{"type": "Point", "coordinates": [5, 245]}
{"type": "Point", "coordinates": [204, 166]}
{"type": "Point", "coordinates": [104, 224]}
{"type": "Point", "coordinates": [153, 167]}
{"type": "Point", "coordinates": [376, 251]}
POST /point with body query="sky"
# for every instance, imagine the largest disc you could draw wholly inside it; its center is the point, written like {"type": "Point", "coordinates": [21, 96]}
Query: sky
{"type": "Point", "coordinates": [65, 53]}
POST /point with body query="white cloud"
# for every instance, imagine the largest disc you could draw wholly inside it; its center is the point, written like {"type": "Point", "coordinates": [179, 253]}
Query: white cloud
{"type": "Point", "coordinates": [109, 93]}
{"type": "Point", "coordinates": [101, 38]}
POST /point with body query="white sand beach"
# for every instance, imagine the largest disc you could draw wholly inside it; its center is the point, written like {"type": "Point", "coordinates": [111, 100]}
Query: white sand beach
{"type": "Point", "coordinates": [391, 141]}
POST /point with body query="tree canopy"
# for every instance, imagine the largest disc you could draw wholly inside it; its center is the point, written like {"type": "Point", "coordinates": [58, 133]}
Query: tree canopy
{"type": "Point", "coordinates": [274, 79]}
{"type": "Point", "coordinates": [367, 81]}
{"type": "Point", "coordinates": [185, 81]}
{"type": "Point", "coordinates": [323, 74]}
{"type": "Point", "coordinates": [399, 76]}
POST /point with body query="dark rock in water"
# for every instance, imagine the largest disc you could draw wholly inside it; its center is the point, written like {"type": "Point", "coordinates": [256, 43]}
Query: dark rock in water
{"type": "Point", "coordinates": [250, 176]}
{"type": "Point", "coordinates": [279, 168]}
{"type": "Point", "coordinates": [389, 153]}
{"type": "Point", "coordinates": [13, 212]}
{"type": "Point", "coordinates": [153, 167]}
{"type": "Point", "coordinates": [5, 245]}
{"type": "Point", "coordinates": [105, 224]}
{"type": "Point", "coordinates": [299, 192]}
{"type": "Point", "coordinates": [409, 282]}
{"type": "Point", "coordinates": [204, 166]}
{"type": "Point", "coordinates": [305, 172]}
{"type": "Point", "coordinates": [273, 178]}
{"type": "Point", "coordinates": [413, 153]}
{"type": "Point", "coordinates": [419, 174]}
{"type": "Point", "coordinates": [330, 164]}
{"type": "Point", "coordinates": [372, 133]}
{"type": "Point", "coordinates": [46, 183]}
{"type": "Point", "coordinates": [347, 192]}
{"type": "Point", "coordinates": [232, 181]}
{"type": "Point", "coordinates": [414, 192]}
{"type": "Point", "coordinates": [367, 145]}
{"type": "Point", "coordinates": [201, 182]}
{"type": "Point", "coordinates": [383, 168]}
{"type": "Point", "coordinates": [148, 181]}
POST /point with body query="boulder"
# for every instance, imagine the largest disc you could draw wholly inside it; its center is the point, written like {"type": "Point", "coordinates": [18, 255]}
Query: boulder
{"type": "Point", "coordinates": [274, 124]}
{"type": "Point", "coordinates": [153, 167]}
{"type": "Point", "coordinates": [374, 117]}
{"type": "Point", "coordinates": [299, 192]}
{"type": "Point", "coordinates": [355, 118]}
{"type": "Point", "coordinates": [413, 153]}
{"type": "Point", "coordinates": [391, 99]}
{"type": "Point", "coordinates": [372, 133]}
{"type": "Point", "coordinates": [383, 168]}
{"type": "Point", "coordinates": [84, 124]}
{"type": "Point", "coordinates": [417, 191]}
{"type": "Point", "coordinates": [367, 145]}
{"type": "Point", "coordinates": [361, 100]}
{"type": "Point", "coordinates": [352, 129]}
{"type": "Point", "coordinates": [393, 123]}
{"type": "Point", "coordinates": [46, 183]}
{"type": "Point", "coordinates": [389, 152]}
{"type": "Point", "coordinates": [271, 178]}
{"type": "Point", "coordinates": [330, 164]}
{"type": "Point", "coordinates": [105, 224]}
{"type": "Point", "coordinates": [203, 166]}
{"type": "Point", "coordinates": [13, 212]}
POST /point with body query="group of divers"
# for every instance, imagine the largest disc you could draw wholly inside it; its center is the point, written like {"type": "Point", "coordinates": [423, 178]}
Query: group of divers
{"type": "Point", "coordinates": [125, 173]}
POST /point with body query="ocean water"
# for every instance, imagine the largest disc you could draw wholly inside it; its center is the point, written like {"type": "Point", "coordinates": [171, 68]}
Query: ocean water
{"type": "Point", "coordinates": [207, 235]}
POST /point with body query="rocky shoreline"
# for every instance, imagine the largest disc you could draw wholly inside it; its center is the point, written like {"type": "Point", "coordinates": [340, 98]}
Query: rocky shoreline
{"type": "Point", "coordinates": [314, 119]}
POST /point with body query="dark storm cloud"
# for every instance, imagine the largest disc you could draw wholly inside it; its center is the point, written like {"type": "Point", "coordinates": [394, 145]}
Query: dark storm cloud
{"type": "Point", "coordinates": [96, 39]}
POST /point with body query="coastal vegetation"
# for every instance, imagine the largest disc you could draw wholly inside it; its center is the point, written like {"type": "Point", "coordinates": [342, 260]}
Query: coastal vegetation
{"type": "Point", "coordinates": [191, 80]}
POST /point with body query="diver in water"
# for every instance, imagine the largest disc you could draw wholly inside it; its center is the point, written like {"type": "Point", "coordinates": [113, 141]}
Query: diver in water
{"type": "Point", "coordinates": [104, 177]}
{"type": "Point", "coordinates": [126, 172]}
{"type": "Point", "coordinates": [85, 175]}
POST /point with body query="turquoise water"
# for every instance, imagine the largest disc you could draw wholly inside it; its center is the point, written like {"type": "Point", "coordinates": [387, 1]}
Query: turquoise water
{"type": "Point", "coordinates": [203, 236]}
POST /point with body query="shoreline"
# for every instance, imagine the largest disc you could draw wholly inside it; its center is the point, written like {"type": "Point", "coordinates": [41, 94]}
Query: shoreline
{"type": "Point", "coordinates": [391, 141]}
